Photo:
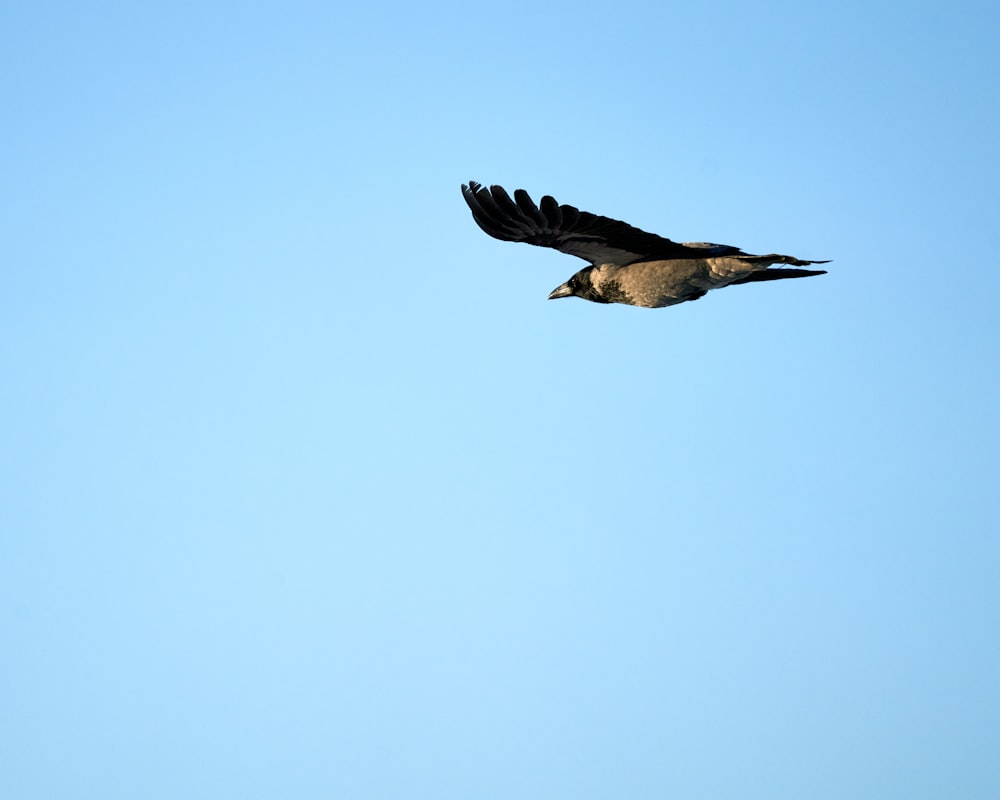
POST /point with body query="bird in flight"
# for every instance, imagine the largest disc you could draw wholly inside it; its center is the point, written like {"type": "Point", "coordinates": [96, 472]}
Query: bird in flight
{"type": "Point", "coordinates": [627, 265]}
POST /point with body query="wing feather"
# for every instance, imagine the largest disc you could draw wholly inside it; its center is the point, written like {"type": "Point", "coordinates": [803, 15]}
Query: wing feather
{"type": "Point", "coordinates": [597, 239]}
{"type": "Point", "coordinates": [552, 211]}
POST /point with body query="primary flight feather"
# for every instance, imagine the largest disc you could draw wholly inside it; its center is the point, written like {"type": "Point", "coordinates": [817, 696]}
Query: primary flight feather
{"type": "Point", "coordinates": [627, 265]}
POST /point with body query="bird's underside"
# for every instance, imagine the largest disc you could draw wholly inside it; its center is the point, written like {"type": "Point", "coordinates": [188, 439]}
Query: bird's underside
{"type": "Point", "coordinates": [627, 265]}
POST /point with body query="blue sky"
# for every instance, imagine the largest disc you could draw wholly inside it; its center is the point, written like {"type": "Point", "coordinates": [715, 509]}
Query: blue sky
{"type": "Point", "coordinates": [307, 491]}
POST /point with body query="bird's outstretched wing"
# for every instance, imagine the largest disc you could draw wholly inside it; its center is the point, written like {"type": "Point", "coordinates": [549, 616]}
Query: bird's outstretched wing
{"type": "Point", "coordinates": [599, 240]}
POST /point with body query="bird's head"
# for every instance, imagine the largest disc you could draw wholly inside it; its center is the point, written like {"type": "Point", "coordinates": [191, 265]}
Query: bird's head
{"type": "Point", "coordinates": [580, 285]}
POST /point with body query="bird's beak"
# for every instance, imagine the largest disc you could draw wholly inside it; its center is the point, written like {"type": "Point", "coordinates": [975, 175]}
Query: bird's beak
{"type": "Point", "coordinates": [561, 291]}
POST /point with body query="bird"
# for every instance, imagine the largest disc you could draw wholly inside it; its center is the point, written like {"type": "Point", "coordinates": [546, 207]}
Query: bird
{"type": "Point", "coordinates": [627, 265]}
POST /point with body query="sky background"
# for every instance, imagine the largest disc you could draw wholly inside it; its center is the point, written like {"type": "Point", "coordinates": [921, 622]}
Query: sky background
{"type": "Point", "coordinates": [307, 491]}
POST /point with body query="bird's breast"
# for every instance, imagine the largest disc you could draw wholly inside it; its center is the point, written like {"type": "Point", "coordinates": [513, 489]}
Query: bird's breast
{"type": "Point", "coordinates": [655, 284]}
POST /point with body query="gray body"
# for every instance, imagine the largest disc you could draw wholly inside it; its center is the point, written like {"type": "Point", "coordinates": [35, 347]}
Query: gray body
{"type": "Point", "coordinates": [627, 265]}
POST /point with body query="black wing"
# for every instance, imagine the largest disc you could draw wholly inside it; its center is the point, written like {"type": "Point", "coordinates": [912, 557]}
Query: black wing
{"type": "Point", "coordinates": [599, 240]}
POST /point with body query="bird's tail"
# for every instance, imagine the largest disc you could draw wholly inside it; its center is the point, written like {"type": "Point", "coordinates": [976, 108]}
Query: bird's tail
{"type": "Point", "coordinates": [765, 274]}
{"type": "Point", "coordinates": [779, 274]}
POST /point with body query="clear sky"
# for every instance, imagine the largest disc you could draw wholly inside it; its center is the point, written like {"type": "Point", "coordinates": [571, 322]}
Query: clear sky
{"type": "Point", "coordinates": [306, 491]}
